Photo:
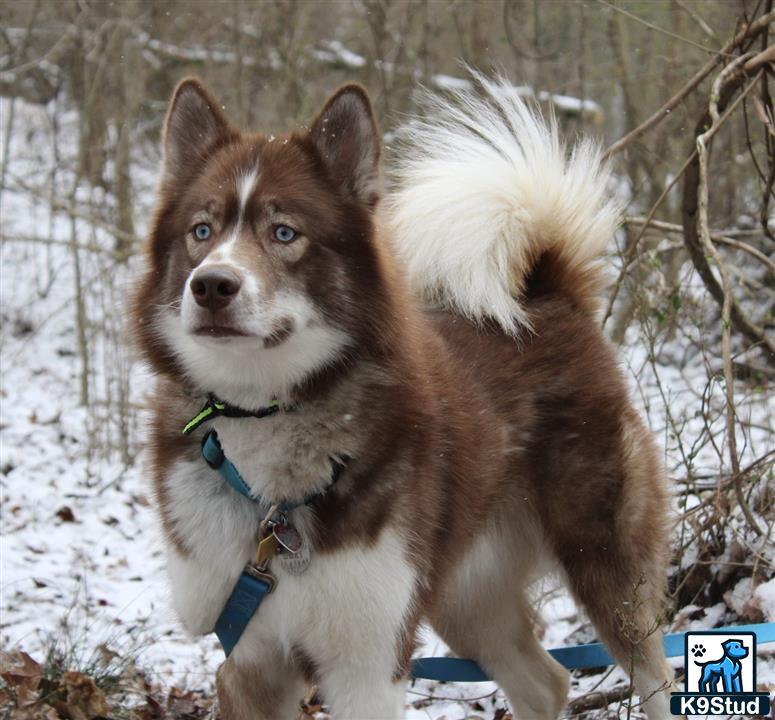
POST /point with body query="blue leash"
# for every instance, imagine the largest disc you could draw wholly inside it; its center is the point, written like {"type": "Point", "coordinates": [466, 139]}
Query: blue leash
{"type": "Point", "coordinates": [248, 594]}
{"type": "Point", "coordinates": [448, 669]}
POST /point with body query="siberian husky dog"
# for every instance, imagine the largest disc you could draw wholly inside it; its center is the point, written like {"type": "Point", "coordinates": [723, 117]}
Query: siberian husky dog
{"type": "Point", "coordinates": [438, 356]}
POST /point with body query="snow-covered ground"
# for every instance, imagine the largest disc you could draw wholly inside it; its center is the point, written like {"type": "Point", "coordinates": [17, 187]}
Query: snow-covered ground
{"type": "Point", "coordinates": [80, 550]}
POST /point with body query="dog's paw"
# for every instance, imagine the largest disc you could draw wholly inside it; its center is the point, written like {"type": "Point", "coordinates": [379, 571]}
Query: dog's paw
{"type": "Point", "coordinates": [698, 650]}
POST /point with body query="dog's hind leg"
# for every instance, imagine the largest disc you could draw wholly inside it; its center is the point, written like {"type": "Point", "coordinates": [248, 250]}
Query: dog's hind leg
{"type": "Point", "coordinates": [618, 578]}
{"type": "Point", "coordinates": [626, 615]}
{"type": "Point", "coordinates": [484, 615]}
{"type": "Point", "coordinates": [605, 514]}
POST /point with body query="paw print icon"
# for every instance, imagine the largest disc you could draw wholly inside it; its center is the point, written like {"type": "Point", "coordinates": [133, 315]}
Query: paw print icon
{"type": "Point", "coordinates": [698, 650]}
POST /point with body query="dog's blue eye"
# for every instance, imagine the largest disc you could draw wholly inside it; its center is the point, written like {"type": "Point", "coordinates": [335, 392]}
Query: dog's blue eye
{"type": "Point", "coordinates": [284, 234]}
{"type": "Point", "coordinates": [202, 231]}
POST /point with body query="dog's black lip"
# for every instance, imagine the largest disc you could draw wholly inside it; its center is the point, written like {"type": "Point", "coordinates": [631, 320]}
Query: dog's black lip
{"type": "Point", "coordinates": [220, 331]}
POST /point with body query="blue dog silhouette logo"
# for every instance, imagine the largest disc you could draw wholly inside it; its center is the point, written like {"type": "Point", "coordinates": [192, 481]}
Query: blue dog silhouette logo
{"type": "Point", "coordinates": [724, 674]}
{"type": "Point", "coordinates": [720, 675]}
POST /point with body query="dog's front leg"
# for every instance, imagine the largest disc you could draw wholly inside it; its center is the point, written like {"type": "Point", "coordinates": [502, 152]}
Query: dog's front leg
{"type": "Point", "coordinates": [363, 690]}
{"type": "Point", "coordinates": [357, 623]}
{"type": "Point", "coordinates": [259, 688]}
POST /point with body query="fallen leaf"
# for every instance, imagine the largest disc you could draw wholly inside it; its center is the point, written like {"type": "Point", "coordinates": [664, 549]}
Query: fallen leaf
{"type": "Point", "coordinates": [106, 654]}
{"type": "Point", "coordinates": [83, 698]}
{"type": "Point", "coordinates": [19, 670]}
{"type": "Point", "coordinates": [35, 711]}
{"type": "Point", "coordinates": [180, 702]}
{"type": "Point", "coordinates": [152, 710]}
{"type": "Point", "coordinates": [65, 514]}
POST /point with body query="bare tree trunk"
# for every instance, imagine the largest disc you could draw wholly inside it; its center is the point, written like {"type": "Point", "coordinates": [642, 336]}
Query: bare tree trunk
{"type": "Point", "coordinates": [130, 93]}
{"type": "Point", "coordinates": [80, 305]}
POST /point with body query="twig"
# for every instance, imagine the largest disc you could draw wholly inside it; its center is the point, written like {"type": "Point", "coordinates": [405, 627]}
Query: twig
{"type": "Point", "coordinates": [715, 236]}
{"type": "Point", "coordinates": [748, 32]}
{"type": "Point", "coordinates": [703, 230]}
{"type": "Point", "coordinates": [428, 696]}
{"type": "Point", "coordinates": [707, 29]}
{"type": "Point", "coordinates": [632, 250]}
{"type": "Point", "coordinates": [70, 209]}
{"type": "Point", "coordinates": [765, 56]}
{"type": "Point", "coordinates": [599, 699]}
{"type": "Point", "coordinates": [90, 248]}
{"type": "Point", "coordinates": [651, 26]}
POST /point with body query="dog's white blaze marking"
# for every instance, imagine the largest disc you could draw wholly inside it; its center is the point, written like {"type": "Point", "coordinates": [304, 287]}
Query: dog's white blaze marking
{"type": "Point", "coordinates": [223, 254]}
{"type": "Point", "coordinates": [245, 186]}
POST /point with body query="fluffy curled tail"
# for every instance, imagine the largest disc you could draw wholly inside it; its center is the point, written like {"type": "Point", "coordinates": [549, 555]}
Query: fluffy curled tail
{"type": "Point", "coordinates": [484, 191]}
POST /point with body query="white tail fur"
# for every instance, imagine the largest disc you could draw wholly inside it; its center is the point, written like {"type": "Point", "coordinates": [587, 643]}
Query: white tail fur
{"type": "Point", "coordinates": [483, 187]}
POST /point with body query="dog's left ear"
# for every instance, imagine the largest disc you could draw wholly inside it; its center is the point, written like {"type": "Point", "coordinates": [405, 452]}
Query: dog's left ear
{"type": "Point", "coordinates": [345, 133]}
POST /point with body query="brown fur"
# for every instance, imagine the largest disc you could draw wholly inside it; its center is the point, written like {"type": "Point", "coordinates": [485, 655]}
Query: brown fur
{"type": "Point", "coordinates": [458, 431]}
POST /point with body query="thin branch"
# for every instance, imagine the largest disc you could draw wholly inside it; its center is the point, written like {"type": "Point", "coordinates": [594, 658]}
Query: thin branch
{"type": "Point", "coordinates": [71, 210]}
{"type": "Point", "coordinates": [598, 699]}
{"type": "Point", "coordinates": [707, 29]}
{"type": "Point", "coordinates": [629, 259]}
{"type": "Point", "coordinates": [651, 26]}
{"type": "Point", "coordinates": [39, 240]}
{"type": "Point", "coordinates": [715, 236]}
{"type": "Point", "coordinates": [750, 31]}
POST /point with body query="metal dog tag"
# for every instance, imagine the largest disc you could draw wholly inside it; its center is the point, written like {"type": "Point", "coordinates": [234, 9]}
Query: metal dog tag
{"type": "Point", "coordinates": [297, 558]}
{"type": "Point", "coordinates": [295, 564]}
{"type": "Point", "coordinates": [288, 537]}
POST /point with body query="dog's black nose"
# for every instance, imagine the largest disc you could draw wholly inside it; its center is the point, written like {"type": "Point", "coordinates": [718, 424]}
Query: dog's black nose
{"type": "Point", "coordinates": [215, 287]}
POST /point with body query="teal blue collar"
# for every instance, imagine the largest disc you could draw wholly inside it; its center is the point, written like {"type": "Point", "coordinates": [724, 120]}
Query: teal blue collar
{"type": "Point", "coordinates": [213, 454]}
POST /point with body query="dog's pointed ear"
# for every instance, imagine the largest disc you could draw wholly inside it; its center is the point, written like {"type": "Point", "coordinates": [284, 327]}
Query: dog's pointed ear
{"type": "Point", "coordinates": [346, 136]}
{"type": "Point", "coordinates": [193, 125]}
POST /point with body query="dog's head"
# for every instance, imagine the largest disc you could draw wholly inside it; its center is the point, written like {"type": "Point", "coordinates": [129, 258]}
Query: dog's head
{"type": "Point", "coordinates": [263, 268]}
{"type": "Point", "coordinates": [735, 649]}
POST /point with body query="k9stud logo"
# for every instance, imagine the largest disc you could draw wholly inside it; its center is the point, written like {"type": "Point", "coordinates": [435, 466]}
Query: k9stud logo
{"type": "Point", "coordinates": [720, 673]}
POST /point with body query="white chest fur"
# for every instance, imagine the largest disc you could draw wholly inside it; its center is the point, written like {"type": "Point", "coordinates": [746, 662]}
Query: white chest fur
{"type": "Point", "coordinates": [346, 611]}
{"type": "Point", "coordinates": [218, 527]}
{"type": "Point", "coordinates": [280, 459]}
{"type": "Point", "coordinates": [338, 608]}
{"type": "Point", "coordinates": [285, 456]}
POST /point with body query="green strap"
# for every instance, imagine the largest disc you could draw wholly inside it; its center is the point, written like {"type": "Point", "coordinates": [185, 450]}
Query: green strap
{"type": "Point", "coordinates": [214, 407]}
{"type": "Point", "coordinates": [206, 413]}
